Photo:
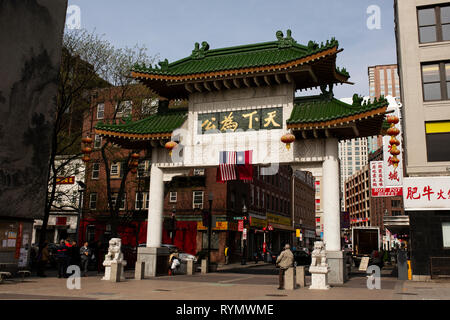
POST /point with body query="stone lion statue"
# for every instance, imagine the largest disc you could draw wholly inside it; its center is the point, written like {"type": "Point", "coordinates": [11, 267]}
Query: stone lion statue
{"type": "Point", "coordinates": [114, 251]}
{"type": "Point", "coordinates": [318, 256]}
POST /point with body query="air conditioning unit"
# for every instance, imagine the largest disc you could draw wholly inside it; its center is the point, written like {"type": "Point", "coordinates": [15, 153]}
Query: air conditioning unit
{"type": "Point", "coordinates": [198, 205]}
{"type": "Point", "coordinates": [199, 172]}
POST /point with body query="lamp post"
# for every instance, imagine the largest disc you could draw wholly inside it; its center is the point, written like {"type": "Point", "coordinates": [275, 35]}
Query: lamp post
{"type": "Point", "coordinates": [244, 241]}
{"type": "Point", "coordinates": [210, 200]}
{"type": "Point", "coordinates": [173, 223]}
{"type": "Point", "coordinates": [81, 189]}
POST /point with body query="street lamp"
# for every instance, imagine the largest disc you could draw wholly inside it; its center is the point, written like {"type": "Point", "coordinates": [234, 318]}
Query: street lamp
{"type": "Point", "coordinates": [173, 223]}
{"type": "Point", "coordinates": [244, 241]}
{"type": "Point", "coordinates": [81, 189]}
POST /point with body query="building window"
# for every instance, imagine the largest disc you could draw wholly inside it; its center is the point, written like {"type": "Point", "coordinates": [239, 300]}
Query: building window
{"type": "Point", "coordinates": [199, 172]}
{"type": "Point", "coordinates": [97, 141]}
{"type": "Point", "coordinates": [434, 24]}
{"type": "Point", "coordinates": [438, 140]}
{"type": "Point", "coordinates": [173, 197]}
{"type": "Point", "coordinates": [142, 200]}
{"type": "Point", "coordinates": [115, 170]}
{"type": "Point", "coordinates": [436, 81]}
{"type": "Point", "coordinates": [143, 169]}
{"type": "Point", "coordinates": [93, 201]}
{"type": "Point", "coordinates": [100, 111]}
{"type": "Point", "coordinates": [214, 240]}
{"type": "Point", "coordinates": [122, 201]}
{"type": "Point", "coordinates": [197, 199]}
{"type": "Point", "coordinates": [95, 170]}
{"type": "Point", "coordinates": [446, 234]}
{"type": "Point", "coordinates": [124, 108]}
{"type": "Point", "coordinates": [396, 203]}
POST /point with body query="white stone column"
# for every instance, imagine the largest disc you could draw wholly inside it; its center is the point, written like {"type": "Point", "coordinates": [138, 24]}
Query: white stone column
{"type": "Point", "coordinates": [331, 205]}
{"type": "Point", "coordinates": [156, 204]}
{"type": "Point", "coordinates": [154, 256]}
{"type": "Point", "coordinates": [331, 213]}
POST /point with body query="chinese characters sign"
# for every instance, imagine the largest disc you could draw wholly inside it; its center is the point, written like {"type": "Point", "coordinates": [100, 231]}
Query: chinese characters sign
{"type": "Point", "coordinates": [65, 180]}
{"type": "Point", "coordinates": [231, 121]}
{"type": "Point", "coordinates": [427, 193]}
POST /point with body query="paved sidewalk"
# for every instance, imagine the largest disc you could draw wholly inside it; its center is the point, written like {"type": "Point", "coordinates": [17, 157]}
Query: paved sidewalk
{"type": "Point", "coordinates": [217, 286]}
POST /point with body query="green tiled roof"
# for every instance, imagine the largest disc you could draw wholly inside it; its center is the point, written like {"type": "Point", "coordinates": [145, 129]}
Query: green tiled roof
{"type": "Point", "coordinates": [154, 124]}
{"type": "Point", "coordinates": [204, 60]}
{"type": "Point", "coordinates": [322, 108]}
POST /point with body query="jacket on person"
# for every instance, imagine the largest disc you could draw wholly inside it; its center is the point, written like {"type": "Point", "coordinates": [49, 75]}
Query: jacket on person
{"type": "Point", "coordinates": [285, 259]}
{"type": "Point", "coordinates": [62, 252]}
{"type": "Point", "coordinates": [83, 251]}
{"type": "Point", "coordinates": [45, 254]}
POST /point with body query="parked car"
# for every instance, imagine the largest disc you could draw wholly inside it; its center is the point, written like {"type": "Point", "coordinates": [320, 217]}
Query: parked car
{"type": "Point", "coordinates": [172, 248]}
{"type": "Point", "coordinates": [302, 258]}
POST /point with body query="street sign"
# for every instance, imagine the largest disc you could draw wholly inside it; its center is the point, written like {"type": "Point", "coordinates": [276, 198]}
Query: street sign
{"type": "Point", "coordinates": [238, 218]}
{"type": "Point", "coordinates": [244, 234]}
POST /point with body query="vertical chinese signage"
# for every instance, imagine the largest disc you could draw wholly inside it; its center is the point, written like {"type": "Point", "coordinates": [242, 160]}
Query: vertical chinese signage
{"type": "Point", "coordinates": [387, 175]}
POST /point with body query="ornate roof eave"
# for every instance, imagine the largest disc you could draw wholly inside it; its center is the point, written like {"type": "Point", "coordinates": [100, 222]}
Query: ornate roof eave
{"type": "Point", "coordinates": [356, 126]}
{"type": "Point", "coordinates": [238, 72]}
{"type": "Point", "coordinates": [134, 136]}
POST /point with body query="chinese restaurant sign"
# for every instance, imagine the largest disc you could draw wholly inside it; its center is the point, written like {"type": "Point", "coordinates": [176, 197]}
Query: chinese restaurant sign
{"type": "Point", "coordinates": [65, 180]}
{"type": "Point", "coordinates": [231, 121]}
{"type": "Point", "coordinates": [380, 185]}
{"type": "Point", "coordinates": [387, 176]}
{"type": "Point", "coordinates": [427, 193]}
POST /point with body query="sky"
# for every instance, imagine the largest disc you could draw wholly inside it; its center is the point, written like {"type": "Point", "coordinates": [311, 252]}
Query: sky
{"type": "Point", "coordinates": [169, 28]}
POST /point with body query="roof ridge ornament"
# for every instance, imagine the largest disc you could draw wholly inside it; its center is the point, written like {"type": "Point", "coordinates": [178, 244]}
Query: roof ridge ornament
{"type": "Point", "coordinates": [327, 94]}
{"type": "Point", "coordinates": [200, 53]}
{"type": "Point", "coordinates": [357, 100]}
{"type": "Point", "coordinates": [285, 42]}
{"type": "Point", "coordinates": [164, 65]}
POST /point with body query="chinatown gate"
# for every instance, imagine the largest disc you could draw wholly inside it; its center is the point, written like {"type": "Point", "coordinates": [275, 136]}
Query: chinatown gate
{"type": "Point", "coordinates": [243, 98]}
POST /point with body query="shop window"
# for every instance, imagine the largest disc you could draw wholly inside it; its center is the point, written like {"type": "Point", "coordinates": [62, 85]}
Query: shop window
{"type": "Point", "coordinates": [438, 140]}
{"type": "Point", "coordinates": [214, 240]}
{"type": "Point", "coordinates": [446, 234]}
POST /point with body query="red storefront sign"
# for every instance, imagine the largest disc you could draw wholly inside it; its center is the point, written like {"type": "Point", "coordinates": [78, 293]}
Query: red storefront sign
{"type": "Point", "coordinates": [241, 225]}
{"type": "Point", "coordinates": [387, 192]}
{"type": "Point", "coordinates": [65, 180]}
{"type": "Point", "coordinates": [61, 221]}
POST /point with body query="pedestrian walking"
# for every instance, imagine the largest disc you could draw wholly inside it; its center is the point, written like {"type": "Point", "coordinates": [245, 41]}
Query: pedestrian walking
{"type": "Point", "coordinates": [227, 258]}
{"type": "Point", "coordinates": [43, 260]}
{"type": "Point", "coordinates": [85, 256]}
{"type": "Point", "coordinates": [256, 256]}
{"type": "Point", "coordinates": [174, 262]}
{"type": "Point", "coordinates": [62, 259]}
{"type": "Point", "coordinates": [284, 261]}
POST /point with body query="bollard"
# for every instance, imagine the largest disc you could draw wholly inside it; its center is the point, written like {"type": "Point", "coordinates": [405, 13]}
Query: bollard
{"type": "Point", "coordinates": [289, 279]}
{"type": "Point", "coordinates": [115, 271]}
{"type": "Point", "coordinates": [300, 275]}
{"type": "Point", "coordinates": [139, 271]}
{"type": "Point", "coordinates": [190, 267]}
{"type": "Point", "coordinates": [204, 266]}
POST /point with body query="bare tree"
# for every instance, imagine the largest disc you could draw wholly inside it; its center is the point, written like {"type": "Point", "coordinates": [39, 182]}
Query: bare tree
{"type": "Point", "coordinates": [88, 62]}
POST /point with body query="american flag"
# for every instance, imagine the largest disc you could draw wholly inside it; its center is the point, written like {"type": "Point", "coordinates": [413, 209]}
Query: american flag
{"type": "Point", "coordinates": [227, 165]}
{"type": "Point", "coordinates": [235, 166]}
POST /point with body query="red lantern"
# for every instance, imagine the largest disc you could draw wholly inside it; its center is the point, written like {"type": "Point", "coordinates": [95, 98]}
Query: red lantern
{"type": "Point", "coordinates": [170, 145]}
{"type": "Point", "coordinates": [394, 152]}
{"type": "Point", "coordinates": [86, 158]}
{"type": "Point", "coordinates": [87, 140]}
{"type": "Point", "coordinates": [288, 138]}
{"type": "Point", "coordinates": [394, 141]}
{"type": "Point", "coordinates": [392, 119]}
{"type": "Point", "coordinates": [86, 150]}
{"type": "Point", "coordinates": [393, 131]}
{"type": "Point", "coordinates": [134, 164]}
{"type": "Point", "coordinates": [135, 156]}
{"type": "Point", "coordinates": [133, 170]}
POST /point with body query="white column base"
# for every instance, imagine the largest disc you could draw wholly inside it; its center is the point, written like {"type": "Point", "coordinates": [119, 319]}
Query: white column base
{"type": "Point", "coordinates": [156, 260]}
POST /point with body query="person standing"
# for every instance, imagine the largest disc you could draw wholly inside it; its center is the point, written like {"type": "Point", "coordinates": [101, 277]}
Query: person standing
{"type": "Point", "coordinates": [85, 255]}
{"type": "Point", "coordinates": [43, 260]}
{"type": "Point", "coordinates": [174, 262]}
{"type": "Point", "coordinates": [284, 261]}
{"type": "Point", "coordinates": [62, 259]}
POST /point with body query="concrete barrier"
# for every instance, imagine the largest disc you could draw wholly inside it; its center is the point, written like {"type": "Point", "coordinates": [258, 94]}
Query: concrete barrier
{"type": "Point", "coordinates": [139, 271]}
{"type": "Point", "coordinates": [190, 267]}
{"type": "Point", "coordinates": [290, 282]}
{"type": "Point", "coordinates": [204, 266]}
{"type": "Point", "coordinates": [116, 269]}
{"type": "Point", "coordinates": [300, 275]}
